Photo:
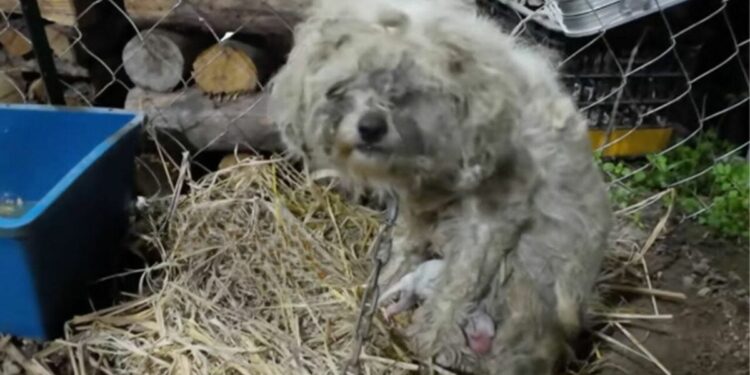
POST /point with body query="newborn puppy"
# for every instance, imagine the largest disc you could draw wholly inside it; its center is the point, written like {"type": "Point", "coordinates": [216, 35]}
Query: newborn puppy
{"type": "Point", "coordinates": [479, 330]}
{"type": "Point", "coordinates": [414, 286]}
{"type": "Point", "coordinates": [419, 284]}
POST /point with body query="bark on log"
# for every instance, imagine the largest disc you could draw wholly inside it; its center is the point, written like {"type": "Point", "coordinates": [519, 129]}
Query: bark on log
{"type": "Point", "coordinates": [220, 16]}
{"type": "Point", "coordinates": [206, 124]}
{"type": "Point", "coordinates": [161, 60]}
{"type": "Point", "coordinates": [11, 89]}
{"type": "Point", "coordinates": [230, 67]}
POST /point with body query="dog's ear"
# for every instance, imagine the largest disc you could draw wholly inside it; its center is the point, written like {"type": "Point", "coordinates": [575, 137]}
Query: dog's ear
{"type": "Point", "coordinates": [284, 106]}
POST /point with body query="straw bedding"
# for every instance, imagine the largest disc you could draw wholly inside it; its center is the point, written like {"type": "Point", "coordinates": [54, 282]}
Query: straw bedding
{"type": "Point", "coordinates": [258, 272]}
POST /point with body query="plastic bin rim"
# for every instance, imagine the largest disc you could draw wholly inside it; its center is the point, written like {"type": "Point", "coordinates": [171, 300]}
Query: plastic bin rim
{"type": "Point", "coordinates": [15, 224]}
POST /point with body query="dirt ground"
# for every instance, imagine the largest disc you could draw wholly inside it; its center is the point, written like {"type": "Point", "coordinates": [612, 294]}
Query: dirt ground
{"type": "Point", "coordinates": [709, 331]}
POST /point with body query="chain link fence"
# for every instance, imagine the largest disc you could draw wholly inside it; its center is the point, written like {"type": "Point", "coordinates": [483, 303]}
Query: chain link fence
{"type": "Point", "coordinates": [664, 84]}
{"type": "Point", "coordinates": [664, 81]}
{"type": "Point", "coordinates": [655, 78]}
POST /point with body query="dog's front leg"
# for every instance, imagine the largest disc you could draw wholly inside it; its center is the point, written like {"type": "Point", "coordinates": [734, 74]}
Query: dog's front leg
{"type": "Point", "coordinates": [409, 249]}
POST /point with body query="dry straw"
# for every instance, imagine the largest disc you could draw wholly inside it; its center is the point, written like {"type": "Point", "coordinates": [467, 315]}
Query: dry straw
{"type": "Point", "coordinates": [261, 272]}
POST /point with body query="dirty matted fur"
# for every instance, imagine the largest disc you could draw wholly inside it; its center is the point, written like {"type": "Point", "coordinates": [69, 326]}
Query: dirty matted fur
{"type": "Point", "coordinates": [489, 157]}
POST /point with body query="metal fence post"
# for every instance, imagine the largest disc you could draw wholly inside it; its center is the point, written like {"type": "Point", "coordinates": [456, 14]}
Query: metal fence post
{"type": "Point", "coordinates": [43, 52]}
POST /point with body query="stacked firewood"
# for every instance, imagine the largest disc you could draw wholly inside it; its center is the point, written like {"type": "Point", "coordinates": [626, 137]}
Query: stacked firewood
{"type": "Point", "coordinates": [196, 67]}
{"type": "Point", "coordinates": [20, 78]}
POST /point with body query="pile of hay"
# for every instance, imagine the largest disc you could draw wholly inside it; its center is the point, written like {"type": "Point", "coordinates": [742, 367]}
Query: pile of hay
{"type": "Point", "coordinates": [258, 272]}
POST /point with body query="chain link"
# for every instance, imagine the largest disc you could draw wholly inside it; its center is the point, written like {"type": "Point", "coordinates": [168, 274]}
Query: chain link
{"type": "Point", "coordinates": [380, 250]}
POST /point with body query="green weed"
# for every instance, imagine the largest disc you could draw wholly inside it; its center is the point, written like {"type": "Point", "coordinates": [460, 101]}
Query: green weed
{"type": "Point", "coordinates": [716, 193]}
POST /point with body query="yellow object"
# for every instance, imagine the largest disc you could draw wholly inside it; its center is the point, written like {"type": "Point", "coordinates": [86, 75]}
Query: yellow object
{"type": "Point", "coordinates": [631, 142]}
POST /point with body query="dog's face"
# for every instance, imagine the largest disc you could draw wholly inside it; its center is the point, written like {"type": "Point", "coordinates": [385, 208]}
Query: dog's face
{"type": "Point", "coordinates": [381, 127]}
{"type": "Point", "coordinates": [381, 92]}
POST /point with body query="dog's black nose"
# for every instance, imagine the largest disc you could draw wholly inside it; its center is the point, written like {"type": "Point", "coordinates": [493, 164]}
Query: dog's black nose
{"type": "Point", "coordinates": [372, 127]}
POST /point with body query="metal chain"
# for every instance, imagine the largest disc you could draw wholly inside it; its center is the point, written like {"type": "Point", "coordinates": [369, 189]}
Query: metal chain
{"type": "Point", "coordinates": [381, 250]}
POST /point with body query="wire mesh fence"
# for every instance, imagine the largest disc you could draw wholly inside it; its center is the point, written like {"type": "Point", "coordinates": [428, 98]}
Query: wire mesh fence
{"type": "Point", "coordinates": [670, 86]}
{"type": "Point", "coordinates": [654, 78]}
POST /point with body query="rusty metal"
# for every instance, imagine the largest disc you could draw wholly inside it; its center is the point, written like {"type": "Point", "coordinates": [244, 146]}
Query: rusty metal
{"type": "Point", "coordinates": [380, 250]}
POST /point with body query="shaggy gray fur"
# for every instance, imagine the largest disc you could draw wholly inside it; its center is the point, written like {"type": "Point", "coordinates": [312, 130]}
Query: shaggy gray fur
{"type": "Point", "coordinates": [490, 158]}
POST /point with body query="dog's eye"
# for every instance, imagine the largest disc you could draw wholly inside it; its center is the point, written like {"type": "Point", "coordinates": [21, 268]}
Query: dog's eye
{"type": "Point", "coordinates": [336, 91]}
{"type": "Point", "coordinates": [400, 98]}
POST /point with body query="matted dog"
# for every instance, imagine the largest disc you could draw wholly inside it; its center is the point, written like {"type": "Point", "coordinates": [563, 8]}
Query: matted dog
{"type": "Point", "coordinates": [489, 156]}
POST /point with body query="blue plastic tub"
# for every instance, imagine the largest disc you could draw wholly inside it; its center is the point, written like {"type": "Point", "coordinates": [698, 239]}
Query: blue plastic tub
{"type": "Point", "coordinates": [73, 169]}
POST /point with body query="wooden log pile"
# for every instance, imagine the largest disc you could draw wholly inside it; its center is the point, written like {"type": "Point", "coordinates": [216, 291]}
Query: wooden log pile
{"type": "Point", "coordinates": [195, 68]}
{"type": "Point", "coordinates": [207, 92]}
{"type": "Point", "coordinates": [19, 74]}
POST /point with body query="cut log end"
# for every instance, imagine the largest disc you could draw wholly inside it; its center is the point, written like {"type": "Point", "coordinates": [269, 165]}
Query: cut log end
{"type": "Point", "coordinates": [155, 63]}
{"type": "Point", "coordinates": [14, 42]}
{"type": "Point", "coordinates": [226, 68]}
{"type": "Point", "coordinates": [11, 89]}
{"type": "Point", "coordinates": [60, 43]}
{"type": "Point", "coordinates": [14, 38]}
